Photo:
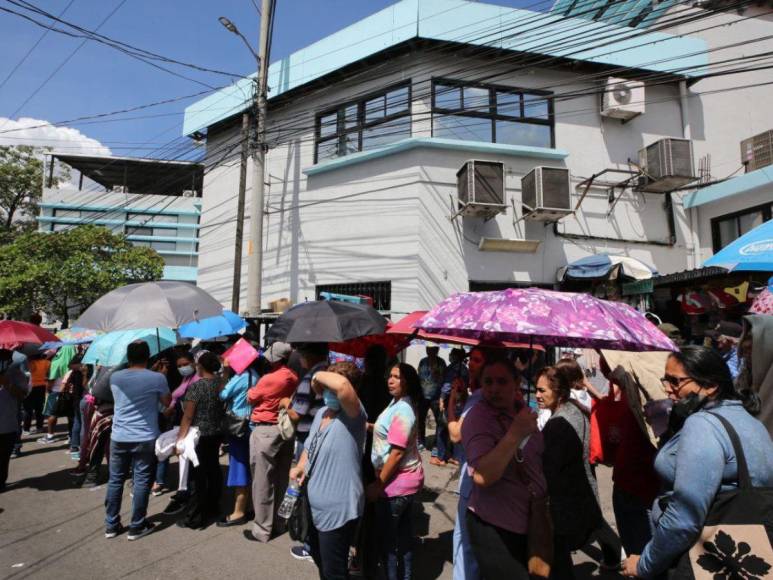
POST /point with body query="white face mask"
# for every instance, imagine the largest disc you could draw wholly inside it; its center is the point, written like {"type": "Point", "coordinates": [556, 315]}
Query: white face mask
{"type": "Point", "coordinates": [185, 371]}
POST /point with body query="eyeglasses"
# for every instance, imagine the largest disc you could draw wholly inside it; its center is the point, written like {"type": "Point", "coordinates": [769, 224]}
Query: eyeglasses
{"type": "Point", "coordinates": [674, 383]}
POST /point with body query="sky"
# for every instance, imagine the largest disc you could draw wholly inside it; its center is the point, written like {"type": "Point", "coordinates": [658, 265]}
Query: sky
{"type": "Point", "coordinates": [59, 81]}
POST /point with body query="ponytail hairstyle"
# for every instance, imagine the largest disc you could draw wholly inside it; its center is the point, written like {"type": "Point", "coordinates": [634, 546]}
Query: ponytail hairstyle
{"type": "Point", "coordinates": [706, 367]}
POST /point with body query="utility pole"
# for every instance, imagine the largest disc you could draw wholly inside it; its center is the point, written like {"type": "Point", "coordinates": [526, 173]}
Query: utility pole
{"type": "Point", "coordinates": [237, 279]}
{"type": "Point", "coordinates": [255, 255]}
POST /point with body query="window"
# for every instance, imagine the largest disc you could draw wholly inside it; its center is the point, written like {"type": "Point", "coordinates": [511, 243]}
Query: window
{"type": "Point", "coordinates": [138, 231]}
{"type": "Point", "coordinates": [380, 292]}
{"type": "Point", "coordinates": [67, 213]}
{"type": "Point", "coordinates": [727, 228]}
{"type": "Point", "coordinates": [374, 121]}
{"type": "Point", "coordinates": [149, 218]}
{"type": "Point", "coordinates": [158, 246]}
{"type": "Point", "coordinates": [493, 114]}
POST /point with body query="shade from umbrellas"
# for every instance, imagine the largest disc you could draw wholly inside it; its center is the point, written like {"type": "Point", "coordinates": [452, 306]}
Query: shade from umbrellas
{"type": "Point", "coordinates": [326, 321]}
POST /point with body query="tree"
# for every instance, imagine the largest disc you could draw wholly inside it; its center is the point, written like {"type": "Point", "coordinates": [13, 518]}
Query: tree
{"type": "Point", "coordinates": [62, 273]}
{"type": "Point", "coordinates": [21, 188]}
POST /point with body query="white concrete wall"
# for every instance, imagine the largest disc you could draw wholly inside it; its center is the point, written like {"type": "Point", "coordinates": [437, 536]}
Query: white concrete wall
{"type": "Point", "coordinates": [387, 219]}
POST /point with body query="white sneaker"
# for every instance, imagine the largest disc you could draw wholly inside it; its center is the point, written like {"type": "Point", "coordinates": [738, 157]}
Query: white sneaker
{"type": "Point", "coordinates": [46, 440]}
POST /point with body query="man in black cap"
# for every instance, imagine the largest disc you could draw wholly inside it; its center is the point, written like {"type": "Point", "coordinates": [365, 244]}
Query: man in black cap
{"type": "Point", "coordinates": [725, 337]}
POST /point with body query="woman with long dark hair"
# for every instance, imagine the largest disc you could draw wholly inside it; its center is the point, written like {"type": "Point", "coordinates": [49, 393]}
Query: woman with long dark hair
{"type": "Point", "coordinates": [698, 460]}
{"type": "Point", "coordinates": [399, 473]}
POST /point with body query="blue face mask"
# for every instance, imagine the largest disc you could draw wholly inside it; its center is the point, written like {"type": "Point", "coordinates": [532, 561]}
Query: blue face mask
{"type": "Point", "coordinates": [331, 401]}
{"type": "Point", "coordinates": [186, 370]}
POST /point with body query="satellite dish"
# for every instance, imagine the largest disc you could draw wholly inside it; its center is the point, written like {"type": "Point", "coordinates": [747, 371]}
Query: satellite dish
{"type": "Point", "coordinates": [622, 94]}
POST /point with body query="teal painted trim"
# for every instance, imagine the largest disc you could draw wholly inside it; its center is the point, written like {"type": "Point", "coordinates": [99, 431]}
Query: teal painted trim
{"type": "Point", "coordinates": [132, 237]}
{"type": "Point", "coordinates": [79, 221]}
{"type": "Point", "coordinates": [437, 143]}
{"type": "Point", "coordinates": [743, 184]}
{"type": "Point", "coordinates": [103, 208]}
{"type": "Point", "coordinates": [474, 23]}
{"type": "Point", "coordinates": [183, 273]}
{"type": "Point", "coordinates": [176, 253]}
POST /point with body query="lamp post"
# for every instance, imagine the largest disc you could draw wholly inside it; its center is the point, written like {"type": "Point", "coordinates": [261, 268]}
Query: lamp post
{"type": "Point", "coordinates": [255, 253]}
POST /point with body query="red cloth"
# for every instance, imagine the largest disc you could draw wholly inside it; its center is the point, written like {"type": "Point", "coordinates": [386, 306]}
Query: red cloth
{"type": "Point", "coordinates": [605, 431]}
{"type": "Point", "coordinates": [271, 388]}
{"type": "Point", "coordinates": [633, 470]}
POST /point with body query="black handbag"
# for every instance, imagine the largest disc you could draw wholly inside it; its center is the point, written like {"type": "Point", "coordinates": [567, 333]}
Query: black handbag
{"type": "Point", "coordinates": [299, 524]}
{"type": "Point", "coordinates": [64, 405]}
{"type": "Point", "coordinates": [234, 425]}
{"type": "Point", "coordinates": [736, 538]}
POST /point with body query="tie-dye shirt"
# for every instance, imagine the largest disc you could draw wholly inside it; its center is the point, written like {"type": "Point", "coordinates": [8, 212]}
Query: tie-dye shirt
{"type": "Point", "coordinates": [397, 426]}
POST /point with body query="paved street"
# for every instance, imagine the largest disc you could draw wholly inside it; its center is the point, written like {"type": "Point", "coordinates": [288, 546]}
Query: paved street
{"type": "Point", "coordinates": [50, 529]}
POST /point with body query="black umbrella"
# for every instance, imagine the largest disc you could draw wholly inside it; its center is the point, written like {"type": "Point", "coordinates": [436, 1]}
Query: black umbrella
{"type": "Point", "coordinates": [326, 321]}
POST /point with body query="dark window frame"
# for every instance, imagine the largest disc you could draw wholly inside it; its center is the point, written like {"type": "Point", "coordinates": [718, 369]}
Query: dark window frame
{"type": "Point", "coordinates": [361, 126]}
{"type": "Point", "coordinates": [716, 239]}
{"type": "Point", "coordinates": [492, 114]}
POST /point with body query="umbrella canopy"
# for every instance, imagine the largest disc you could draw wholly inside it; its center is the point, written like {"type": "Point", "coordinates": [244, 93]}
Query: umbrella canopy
{"type": "Point", "coordinates": [545, 317]}
{"type": "Point", "coordinates": [110, 349]}
{"type": "Point", "coordinates": [405, 327]}
{"type": "Point", "coordinates": [223, 325]}
{"type": "Point", "coordinates": [763, 303]}
{"type": "Point", "coordinates": [149, 305]}
{"type": "Point", "coordinates": [358, 347]}
{"type": "Point", "coordinates": [752, 252]}
{"type": "Point", "coordinates": [14, 334]}
{"type": "Point", "coordinates": [603, 265]}
{"type": "Point", "coordinates": [326, 321]}
{"type": "Point", "coordinates": [77, 335]}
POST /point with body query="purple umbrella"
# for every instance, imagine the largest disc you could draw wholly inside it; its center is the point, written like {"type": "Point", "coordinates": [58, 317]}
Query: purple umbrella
{"type": "Point", "coordinates": [545, 317]}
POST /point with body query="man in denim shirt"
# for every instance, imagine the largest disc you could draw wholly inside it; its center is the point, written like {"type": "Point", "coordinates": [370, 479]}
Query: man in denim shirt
{"type": "Point", "coordinates": [431, 371]}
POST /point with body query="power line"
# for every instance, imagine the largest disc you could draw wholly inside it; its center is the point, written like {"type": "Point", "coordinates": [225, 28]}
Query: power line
{"type": "Point", "coordinates": [32, 48]}
{"type": "Point", "coordinates": [65, 61]}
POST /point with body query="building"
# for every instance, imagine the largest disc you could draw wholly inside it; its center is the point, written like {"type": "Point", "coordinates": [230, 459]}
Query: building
{"type": "Point", "coordinates": [369, 127]}
{"type": "Point", "coordinates": [154, 203]}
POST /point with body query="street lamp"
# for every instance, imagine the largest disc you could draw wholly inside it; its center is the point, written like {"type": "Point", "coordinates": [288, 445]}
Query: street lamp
{"type": "Point", "coordinates": [231, 27]}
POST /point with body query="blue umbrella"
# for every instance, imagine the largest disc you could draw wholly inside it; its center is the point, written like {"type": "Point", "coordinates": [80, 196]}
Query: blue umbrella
{"type": "Point", "coordinates": [223, 325]}
{"type": "Point", "coordinates": [110, 349]}
{"type": "Point", "coordinates": [600, 265]}
{"type": "Point", "coordinates": [752, 252]}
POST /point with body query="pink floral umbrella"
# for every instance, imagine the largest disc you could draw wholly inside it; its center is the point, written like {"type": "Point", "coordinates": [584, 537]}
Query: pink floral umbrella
{"type": "Point", "coordinates": [763, 303]}
{"type": "Point", "coordinates": [545, 317]}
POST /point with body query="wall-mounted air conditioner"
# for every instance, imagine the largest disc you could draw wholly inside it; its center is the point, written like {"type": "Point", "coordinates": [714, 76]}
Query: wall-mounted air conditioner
{"type": "Point", "coordinates": [480, 186]}
{"type": "Point", "coordinates": [757, 151]}
{"type": "Point", "coordinates": [622, 99]}
{"type": "Point", "coordinates": [546, 194]}
{"type": "Point", "coordinates": [667, 165]}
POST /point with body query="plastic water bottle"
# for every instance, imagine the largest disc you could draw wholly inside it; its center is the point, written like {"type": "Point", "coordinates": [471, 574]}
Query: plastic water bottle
{"type": "Point", "coordinates": [288, 503]}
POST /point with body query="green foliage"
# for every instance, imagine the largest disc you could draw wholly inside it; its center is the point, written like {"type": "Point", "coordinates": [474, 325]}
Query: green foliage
{"type": "Point", "coordinates": [21, 188]}
{"type": "Point", "coordinates": [63, 272]}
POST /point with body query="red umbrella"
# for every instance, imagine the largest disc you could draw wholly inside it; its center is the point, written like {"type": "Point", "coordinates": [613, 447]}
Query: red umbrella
{"type": "Point", "coordinates": [405, 327]}
{"type": "Point", "coordinates": [14, 334]}
{"type": "Point", "coordinates": [393, 343]}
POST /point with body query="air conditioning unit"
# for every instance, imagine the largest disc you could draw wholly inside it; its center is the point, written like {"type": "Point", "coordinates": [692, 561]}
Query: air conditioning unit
{"type": "Point", "coordinates": [480, 187]}
{"type": "Point", "coordinates": [120, 189]}
{"type": "Point", "coordinates": [757, 151]}
{"type": "Point", "coordinates": [622, 99]}
{"type": "Point", "coordinates": [189, 193]}
{"type": "Point", "coordinates": [667, 165]}
{"type": "Point", "coordinates": [546, 194]}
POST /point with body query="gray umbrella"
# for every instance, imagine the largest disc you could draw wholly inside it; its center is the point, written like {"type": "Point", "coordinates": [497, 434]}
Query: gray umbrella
{"type": "Point", "coordinates": [149, 304]}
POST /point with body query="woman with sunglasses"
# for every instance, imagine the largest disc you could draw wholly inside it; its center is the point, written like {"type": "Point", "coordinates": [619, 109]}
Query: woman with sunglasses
{"type": "Point", "coordinates": [698, 460]}
{"type": "Point", "coordinates": [504, 455]}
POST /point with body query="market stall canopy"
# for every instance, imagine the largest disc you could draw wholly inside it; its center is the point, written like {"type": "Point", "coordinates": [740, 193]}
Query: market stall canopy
{"type": "Point", "coordinates": [326, 321]}
{"type": "Point", "coordinates": [752, 252]}
{"type": "Point", "coordinates": [606, 267]}
{"type": "Point", "coordinates": [149, 304]}
{"type": "Point", "coordinates": [546, 317]}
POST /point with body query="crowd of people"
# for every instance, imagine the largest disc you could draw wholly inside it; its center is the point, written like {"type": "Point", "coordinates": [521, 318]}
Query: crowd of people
{"type": "Point", "coordinates": [349, 440]}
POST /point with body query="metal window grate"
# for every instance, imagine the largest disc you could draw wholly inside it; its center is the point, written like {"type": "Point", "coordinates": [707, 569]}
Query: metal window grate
{"type": "Point", "coordinates": [380, 292]}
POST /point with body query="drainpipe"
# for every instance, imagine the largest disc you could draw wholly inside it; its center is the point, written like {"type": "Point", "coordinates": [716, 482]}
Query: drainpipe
{"type": "Point", "coordinates": [693, 257]}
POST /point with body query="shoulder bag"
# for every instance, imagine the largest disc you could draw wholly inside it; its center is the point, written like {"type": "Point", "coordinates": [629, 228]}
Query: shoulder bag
{"type": "Point", "coordinates": [234, 425]}
{"type": "Point", "coordinates": [736, 538]}
{"type": "Point", "coordinates": [540, 529]}
{"type": "Point", "coordinates": [299, 524]}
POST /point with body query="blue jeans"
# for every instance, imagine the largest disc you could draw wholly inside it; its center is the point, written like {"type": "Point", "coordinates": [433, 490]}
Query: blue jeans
{"type": "Point", "coordinates": [77, 421]}
{"type": "Point", "coordinates": [395, 522]}
{"type": "Point", "coordinates": [161, 470]}
{"type": "Point", "coordinates": [465, 564]}
{"type": "Point", "coordinates": [141, 458]}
